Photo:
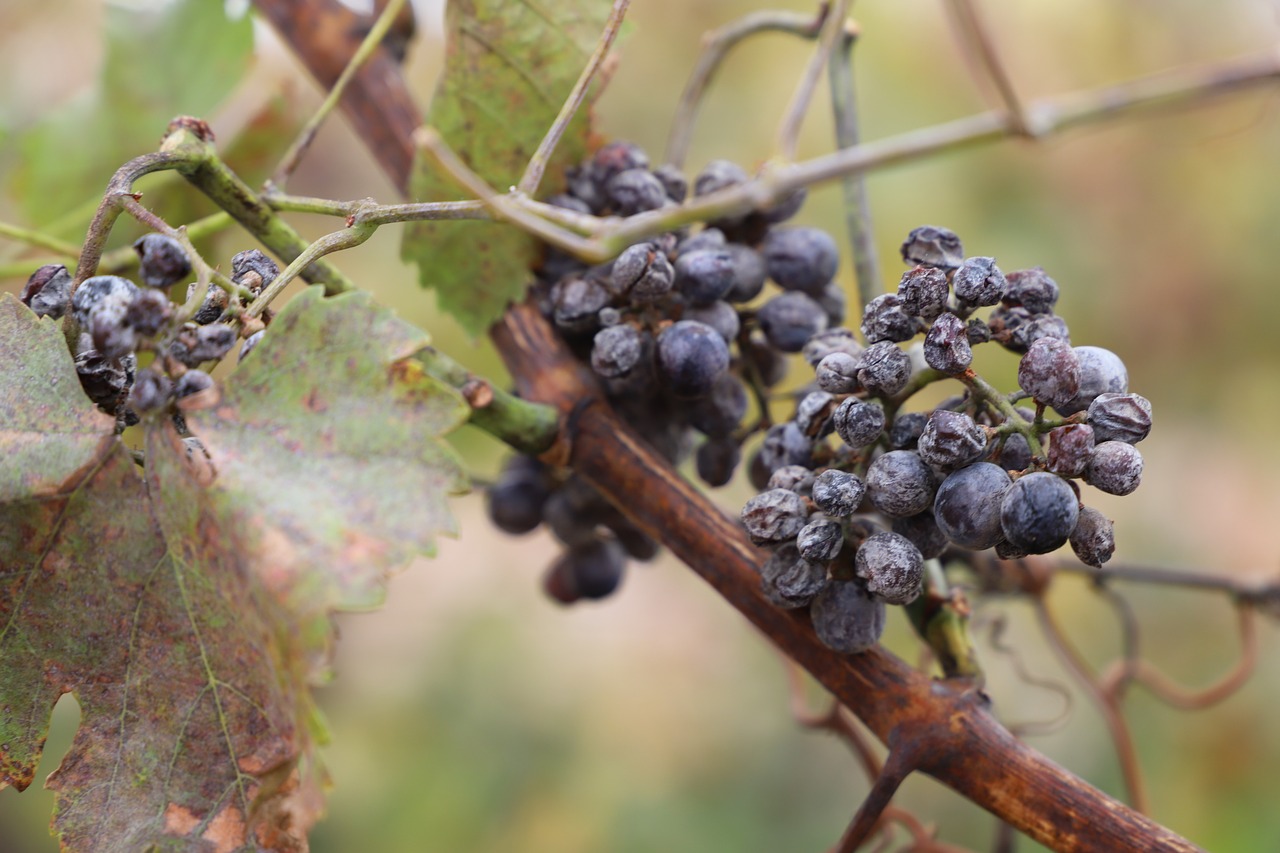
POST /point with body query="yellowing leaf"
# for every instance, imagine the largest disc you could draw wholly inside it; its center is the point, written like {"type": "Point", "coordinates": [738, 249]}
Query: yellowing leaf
{"type": "Point", "coordinates": [324, 467]}
{"type": "Point", "coordinates": [49, 430]}
{"type": "Point", "coordinates": [508, 70]}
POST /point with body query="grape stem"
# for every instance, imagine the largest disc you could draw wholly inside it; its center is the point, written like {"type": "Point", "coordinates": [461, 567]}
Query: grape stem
{"type": "Point", "coordinates": [834, 30]}
{"type": "Point", "coordinates": [716, 46]}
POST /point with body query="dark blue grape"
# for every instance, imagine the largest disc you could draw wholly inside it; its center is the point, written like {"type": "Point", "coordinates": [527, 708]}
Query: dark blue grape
{"type": "Point", "coordinates": [48, 291]}
{"type": "Point", "coordinates": [691, 357]}
{"type": "Point", "coordinates": [515, 501]}
{"type": "Point", "coordinates": [923, 292]}
{"type": "Point", "coordinates": [899, 483]}
{"type": "Point", "coordinates": [885, 369]}
{"type": "Point", "coordinates": [819, 541]}
{"type": "Point", "coordinates": [946, 346]}
{"type": "Point", "coordinates": [846, 618]}
{"type": "Point", "coordinates": [885, 319]}
{"type": "Point", "coordinates": [838, 493]}
{"type": "Point", "coordinates": [1120, 417]}
{"type": "Point", "coordinates": [892, 567]}
{"type": "Point", "coordinates": [1038, 512]}
{"type": "Point", "coordinates": [774, 516]}
{"type": "Point", "coordinates": [858, 423]}
{"type": "Point", "coordinates": [951, 440]}
{"type": "Point", "coordinates": [967, 506]}
{"type": "Point", "coordinates": [790, 319]}
{"type": "Point", "coordinates": [705, 275]}
{"type": "Point", "coordinates": [1101, 372]}
{"type": "Point", "coordinates": [1031, 289]}
{"type": "Point", "coordinates": [932, 246]}
{"type": "Point", "coordinates": [1094, 538]}
{"type": "Point", "coordinates": [978, 282]}
{"type": "Point", "coordinates": [803, 259]}
{"type": "Point", "coordinates": [717, 459]}
{"type": "Point", "coordinates": [1115, 467]}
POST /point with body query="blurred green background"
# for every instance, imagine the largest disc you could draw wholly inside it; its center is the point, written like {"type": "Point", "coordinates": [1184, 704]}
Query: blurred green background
{"type": "Point", "coordinates": [470, 714]}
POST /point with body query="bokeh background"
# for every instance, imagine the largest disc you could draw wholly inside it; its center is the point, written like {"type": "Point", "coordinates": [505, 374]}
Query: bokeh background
{"type": "Point", "coordinates": [471, 714]}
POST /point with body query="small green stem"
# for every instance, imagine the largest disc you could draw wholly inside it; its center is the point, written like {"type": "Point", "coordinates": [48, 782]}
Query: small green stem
{"type": "Point", "coordinates": [366, 49]}
{"type": "Point", "coordinates": [345, 239]}
{"type": "Point", "coordinates": [531, 428]}
{"type": "Point", "coordinates": [857, 207]}
{"type": "Point", "coordinates": [36, 238]}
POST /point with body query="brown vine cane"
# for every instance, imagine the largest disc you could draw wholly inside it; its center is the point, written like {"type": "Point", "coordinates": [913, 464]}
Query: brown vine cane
{"type": "Point", "coordinates": [942, 729]}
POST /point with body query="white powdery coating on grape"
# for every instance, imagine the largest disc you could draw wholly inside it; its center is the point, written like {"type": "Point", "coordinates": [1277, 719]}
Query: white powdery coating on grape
{"type": "Point", "coordinates": [946, 345]}
{"type": "Point", "coordinates": [846, 618]}
{"type": "Point", "coordinates": [951, 440]}
{"type": "Point", "coordinates": [967, 506]}
{"type": "Point", "coordinates": [838, 493]}
{"type": "Point", "coordinates": [892, 567]}
{"type": "Point", "coordinates": [857, 422]}
{"type": "Point", "coordinates": [788, 580]}
{"type": "Point", "coordinates": [899, 483]}
{"type": "Point", "coordinates": [838, 373]}
{"type": "Point", "coordinates": [820, 540]}
{"type": "Point", "coordinates": [1039, 512]}
{"type": "Point", "coordinates": [1050, 372]}
{"type": "Point", "coordinates": [774, 516]}
{"type": "Point", "coordinates": [1115, 467]}
{"type": "Point", "coordinates": [1120, 417]}
{"type": "Point", "coordinates": [1101, 372]}
{"type": "Point", "coordinates": [1070, 447]}
{"type": "Point", "coordinates": [1094, 539]}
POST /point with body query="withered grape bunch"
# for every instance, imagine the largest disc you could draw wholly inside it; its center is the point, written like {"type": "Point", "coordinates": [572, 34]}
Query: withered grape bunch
{"type": "Point", "coordinates": [118, 319]}
{"type": "Point", "coordinates": [858, 494]}
{"type": "Point", "coordinates": [682, 331]}
{"type": "Point", "coordinates": [688, 333]}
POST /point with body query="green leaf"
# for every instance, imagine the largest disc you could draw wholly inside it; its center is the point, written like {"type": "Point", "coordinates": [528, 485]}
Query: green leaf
{"type": "Point", "coordinates": [508, 70]}
{"type": "Point", "coordinates": [323, 461]}
{"type": "Point", "coordinates": [49, 430]}
{"type": "Point", "coordinates": [183, 59]}
{"type": "Point", "coordinates": [193, 721]}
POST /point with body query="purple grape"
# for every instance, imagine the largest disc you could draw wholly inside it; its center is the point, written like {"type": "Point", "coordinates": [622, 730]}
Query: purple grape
{"type": "Point", "coordinates": [838, 373]}
{"type": "Point", "coordinates": [1101, 372]}
{"type": "Point", "coordinates": [1050, 372]}
{"type": "Point", "coordinates": [923, 292]}
{"type": "Point", "coordinates": [858, 423]}
{"type": "Point", "coordinates": [633, 191]}
{"type": "Point", "coordinates": [946, 346]}
{"type": "Point", "coordinates": [967, 506]}
{"type": "Point", "coordinates": [48, 291]}
{"type": "Point", "coordinates": [906, 430]}
{"type": "Point", "coordinates": [162, 260]}
{"type": "Point", "coordinates": [838, 493]}
{"type": "Point", "coordinates": [813, 414]}
{"type": "Point", "coordinates": [823, 344]}
{"type": "Point", "coordinates": [932, 246]}
{"type": "Point", "coordinates": [774, 516]}
{"type": "Point", "coordinates": [785, 444]}
{"type": "Point", "coordinates": [884, 319]}
{"type": "Point", "coordinates": [846, 618]}
{"type": "Point", "coordinates": [516, 500]}
{"type": "Point", "coordinates": [717, 459]}
{"type": "Point", "coordinates": [899, 483]}
{"type": "Point", "coordinates": [705, 275]}
{"type": "Point", "coordinates": [1115, 467]}
{"type": "Point", "coordinates": [1120, 417]}
{"type": "Point", "coordinates": [790, 319]}
{"type": "Point", "coordinates": [885, 369]}
{"type": "Point", "coordinates": [794, 478]}
{"type": "Point", "coordinates": [1031, 289]}
{"type": "Point", "coordinates": [788, 580]}
{"type": "Point", "coordinates": [1070, 448]}
{"type": "Point", "coordinates": [1038, 512]}
{"type": "Point", "coordinates": [978, 282]}
{"type": "Point", "coordinates": [803, 259]}
{"type": "Point", "coordinates": [718, 413]}
{"type": "Point", "coordinates": [1094, 538]}
{"type": "Point", "coordinates": [691, 357]}
{"type": "Point", "coordinates": [922, 530]}
{"type": "Point", "coordinates": [952, 440]}
{"type": "Point", "coordinates": [617, 350]}
{"type": "Point", "coordinates": [892, 567]}
{"type": "Point", "coordinates": [819, 541]}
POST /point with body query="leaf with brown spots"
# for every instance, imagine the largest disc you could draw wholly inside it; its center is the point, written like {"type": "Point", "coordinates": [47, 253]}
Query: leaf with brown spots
{"type": "Point", "coordinates": [49, 430]}
{"type": "Point", "coordinates": [195, 726]}
{"type": "Point", "coordinates": [509, 68]}
{"type": "Point", "coordinates": [322, 465]}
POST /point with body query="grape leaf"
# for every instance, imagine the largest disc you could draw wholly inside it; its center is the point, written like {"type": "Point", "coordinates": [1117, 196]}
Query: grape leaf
{"type": "Point", "coordinates": [49, 431]}
{"type": "Point", "coordinates": [149, 75]}
{"type": "Point", "coordinates": [322, 457]}
{"type": "Point", "coordinates": [190, 611]}
{"type": "Point", "coordinates": [508, 69]}
{"type": "Point", "coordinates": [189, 728]}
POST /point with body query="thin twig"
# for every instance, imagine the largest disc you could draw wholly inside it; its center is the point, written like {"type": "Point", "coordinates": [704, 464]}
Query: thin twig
{"type": "Point", "coordinates": [980, 48]}
{"type": "Point", "coordinates": [1170, 692]}
{"type": "Point", "coordinates": [367, 47]}
{"type": "Point", "coordinates": [502, 206]}
{"type": "Point", "coordinates": [36, 238]}
{"type": "Point", "coordinates": [857, 207]}
{"type": "Point", "coordinates": [833, 30]}
{"type": "Point", "coordinates": [336, 241]}
{"type": "Point", "coordinates": [897, 767]}
{"type": "Point", "coordinates": [1254, 591]}
{"type": "Point", "coordinates": [1126, 752]}
{"type": "Point", "coordinates": [833, 720]}
{"type": "Point", "coordinates": [538, 162]}
{"type": "Point", "coordinates": [1038, 727]}
{"type": "Point", "coordinates": [715, 47]}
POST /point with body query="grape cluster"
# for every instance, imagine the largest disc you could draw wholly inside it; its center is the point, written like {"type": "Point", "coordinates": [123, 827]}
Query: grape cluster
{"type": "Point", "coordinates": [118, 319]}
{"type": "Point", "coordinates": [857, 494]}
{"type": "Point", "coordinates": [680, 332]}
